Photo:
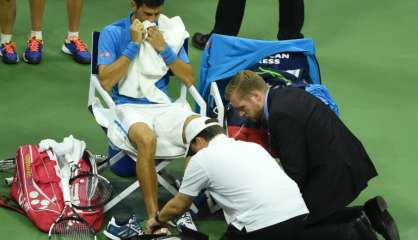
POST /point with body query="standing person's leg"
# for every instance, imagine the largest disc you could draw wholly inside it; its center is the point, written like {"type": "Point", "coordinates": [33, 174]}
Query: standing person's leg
{"type": "Point", "coordinates": [291, 18]}
{"type": "Point", "coordinates": [74, 8]}
{"type": "Point", "coordinates": [7, 17]}
{"type": "Point", "coordinates": [229, 16]}
{"type": "Point", "coordinates": [228, 21]}
{"type": "Point", "coordinates": [73, 44]}
{"type": "Point", "coordinates": [33, 52]}
{"type": "Point", "coordinates": [37, 8]}
{"type": "Point", "coordinates": [7, 20]}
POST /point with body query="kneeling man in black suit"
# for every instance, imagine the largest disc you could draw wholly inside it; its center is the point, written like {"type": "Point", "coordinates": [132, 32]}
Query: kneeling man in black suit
{"type": "Point", "coordinates": [316, 149]}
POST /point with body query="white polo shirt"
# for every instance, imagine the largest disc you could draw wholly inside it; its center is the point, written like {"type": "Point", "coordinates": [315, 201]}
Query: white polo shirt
{"type": "Point", "coordinates": [249, 185]}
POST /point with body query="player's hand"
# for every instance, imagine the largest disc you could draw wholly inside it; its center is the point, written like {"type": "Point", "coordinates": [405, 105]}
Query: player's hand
{"type": "Point", "coordinates": [152, 226]}
{"type": "Point", "coordinates": [137, 31]}
{"type": "Point", "coordinates": [156, 39]}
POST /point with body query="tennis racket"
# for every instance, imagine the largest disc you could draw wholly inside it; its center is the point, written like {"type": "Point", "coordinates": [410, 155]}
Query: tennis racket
{"type": "Point", "coordinates": [69, 225]}
{"type": "Point", "coordinates": [151, 236]}
{"type": "Point", "coordinates": [185, 233]}
{"type": "Point", "coordinates": [194, 236]}
{"type": "Point", "coordinates": [7, 164]}
{"type": "Point", "coordinates": [89, 191]}
{"type": "Point", "coordinates": [97, 162]}
{"type": "Point", "coordinates": [102, 162]}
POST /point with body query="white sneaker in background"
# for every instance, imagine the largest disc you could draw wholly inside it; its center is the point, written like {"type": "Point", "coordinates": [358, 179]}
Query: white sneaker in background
{"type": "Point", "coordinates": [186, 220]}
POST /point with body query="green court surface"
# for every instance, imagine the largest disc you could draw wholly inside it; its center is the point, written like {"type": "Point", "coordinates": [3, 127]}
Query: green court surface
{"type": "Point", "coordinates": [367, 51]}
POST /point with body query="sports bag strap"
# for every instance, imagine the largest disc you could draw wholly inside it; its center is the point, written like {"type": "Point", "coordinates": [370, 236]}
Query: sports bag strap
{"type": "Point", "coordinates": [7, 202]}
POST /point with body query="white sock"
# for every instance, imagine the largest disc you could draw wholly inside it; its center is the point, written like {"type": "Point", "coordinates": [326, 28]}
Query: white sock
{"type": "Point", "coordinates": [36, 34]}
{"type": "Point", "coordinates": [72, 34]}
{"type": "Point", "coordinates": [5, 38]}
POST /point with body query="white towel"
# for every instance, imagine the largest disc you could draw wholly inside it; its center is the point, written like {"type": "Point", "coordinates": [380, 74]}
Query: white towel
{"type": "Point", "coordinates": [71, 149]}
{"type": "Point", "coordinates": [148, 66]}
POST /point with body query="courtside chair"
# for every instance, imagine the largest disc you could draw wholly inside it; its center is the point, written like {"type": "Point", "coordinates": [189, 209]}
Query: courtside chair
{"type": "Point", "coordinates": [102, 106]}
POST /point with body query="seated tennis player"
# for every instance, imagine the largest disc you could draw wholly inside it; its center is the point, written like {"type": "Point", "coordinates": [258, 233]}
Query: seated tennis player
{"type": "Point", "coordinates": [135, 56]}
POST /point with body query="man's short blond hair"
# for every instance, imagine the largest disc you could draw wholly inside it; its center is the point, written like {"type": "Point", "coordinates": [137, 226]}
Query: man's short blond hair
{"type": "Point", "coordinates": [243, 83]}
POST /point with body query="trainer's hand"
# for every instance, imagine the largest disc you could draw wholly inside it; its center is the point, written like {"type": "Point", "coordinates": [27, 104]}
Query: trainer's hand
{"type": "Point", "coordinates": [152, 226]}
{"type": "Point", "coordinates": [137, 31]}
{"type": "Point", "coordinates": [156, 39]}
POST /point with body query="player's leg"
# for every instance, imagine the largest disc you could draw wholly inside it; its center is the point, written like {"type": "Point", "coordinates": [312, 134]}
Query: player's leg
{"type": "Point", "coordinates": [144, 140]}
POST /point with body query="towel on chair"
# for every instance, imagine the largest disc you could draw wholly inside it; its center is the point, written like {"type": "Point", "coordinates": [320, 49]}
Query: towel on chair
{"type": "Point", "coordinates": [148, 67]}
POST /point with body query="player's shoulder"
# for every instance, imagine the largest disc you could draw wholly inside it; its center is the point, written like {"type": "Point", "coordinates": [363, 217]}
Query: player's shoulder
{"type": "Point", "coordinates": [111, 30]}
{"type": "Point", "coordinates": [116, 27]}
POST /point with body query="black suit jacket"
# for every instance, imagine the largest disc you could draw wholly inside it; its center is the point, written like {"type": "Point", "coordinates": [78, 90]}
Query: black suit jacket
{"type": "Point", "coordinates": [317, 151]}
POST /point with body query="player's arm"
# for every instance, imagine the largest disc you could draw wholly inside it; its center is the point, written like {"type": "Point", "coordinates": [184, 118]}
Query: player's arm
{"type": "Point", "coordinates": [174, 208]}
{"type": "Point", "coordinates": [181, 69]}
{"type": "Point", "coordinates": [111, 74]}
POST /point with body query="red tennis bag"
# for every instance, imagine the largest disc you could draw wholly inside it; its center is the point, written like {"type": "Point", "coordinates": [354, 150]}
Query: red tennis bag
{"type": "Point", "coordinates": [36, 188]}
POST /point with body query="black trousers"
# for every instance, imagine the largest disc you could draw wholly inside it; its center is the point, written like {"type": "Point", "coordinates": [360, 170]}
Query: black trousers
{"type": "Point", "coordinates": [286, 230]}
{"type": "Point", "coordinates": [339, 226]}
{"type": "Point", "coordinates": [229, 15]}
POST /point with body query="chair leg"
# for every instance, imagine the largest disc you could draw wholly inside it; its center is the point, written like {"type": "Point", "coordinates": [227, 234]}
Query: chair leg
{"type": "Point", "coordinates": [166, 185]}
{"type": "Point", "coordinates": [121, 196]}
{"type": "Point", "coordinates": [134, 186]}
{"type": "Point", "coordinates": [111, 161]}
{"type": "Point", "coordinates": [163, 182]}
{"type": "Point", "coordinates": [194, 209]}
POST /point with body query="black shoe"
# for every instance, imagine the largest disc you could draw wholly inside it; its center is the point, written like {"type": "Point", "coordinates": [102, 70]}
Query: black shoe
{"type": "Point", "coordinates": [377, 211]}
{"type": "Point", "coordinates": [363, 228]}
{"type": "Point", "coordinates": [199, 40]}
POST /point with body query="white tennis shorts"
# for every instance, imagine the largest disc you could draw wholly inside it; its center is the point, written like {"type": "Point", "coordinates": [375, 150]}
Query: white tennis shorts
{"type": "Point", "coordinates": [166, 120]}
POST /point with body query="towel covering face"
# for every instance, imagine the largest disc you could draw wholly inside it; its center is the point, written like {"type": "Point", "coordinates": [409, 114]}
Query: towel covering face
{"type": "Point", "coordinates": [148, 67]}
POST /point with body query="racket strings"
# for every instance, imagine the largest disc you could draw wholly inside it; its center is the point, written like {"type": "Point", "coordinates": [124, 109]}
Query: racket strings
{"type": "Point", "coordinates": [72, 229]}
{"type": "Point", "coordinates": [90, 191]}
